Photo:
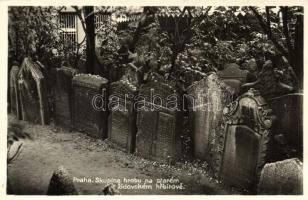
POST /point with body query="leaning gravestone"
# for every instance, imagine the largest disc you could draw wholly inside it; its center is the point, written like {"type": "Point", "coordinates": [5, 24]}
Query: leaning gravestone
{"type": "Point", "coordinates": [89, 112]}
{"type": "Point", "coordinates": [63, 96]}
{"type": "Point", "coordinates": [122, 117]}
{"type": "Point", "coordinates": [233, 76]}
{"type": "Point", "coordinates": [206, 100]}
{"type": "Point", "coordinates": [248, 122]}
{"type": "Point", "coordinates": [282, 177]}
{"type": "Point", "coordinates": [159, 122]}
{"type": "Point", "coordinates": [32, 92]}
{"type": "Point", "coordinates": [14, 94]}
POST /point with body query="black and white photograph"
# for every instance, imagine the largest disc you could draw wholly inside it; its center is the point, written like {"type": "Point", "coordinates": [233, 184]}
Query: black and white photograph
{"type": "Point", "coordinates": [154, 100]}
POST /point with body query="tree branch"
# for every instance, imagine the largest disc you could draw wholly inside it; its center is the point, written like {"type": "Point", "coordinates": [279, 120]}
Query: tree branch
{"type": "Point", "coordinates": [284, 11]}
{"type": "Point", "coordinates": [269, 33]}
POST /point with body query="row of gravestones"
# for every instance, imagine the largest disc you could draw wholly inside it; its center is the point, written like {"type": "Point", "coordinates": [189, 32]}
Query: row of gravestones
{"type": "Point", "coordinates": [233, 136]}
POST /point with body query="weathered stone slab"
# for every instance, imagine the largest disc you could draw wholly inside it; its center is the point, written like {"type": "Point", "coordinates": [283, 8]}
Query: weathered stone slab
{"type": "Point", "coordinates": [206, 100]}
{"type": "Point", "coordinates": [14, 94]}
{"type": "Point", "coordinates": [63, 96]}
{"type": "Point", "coordinates": [32, 92]}
{"type": "Point", "coordinates": [287, 129]}
{"type": "Point", "coordinates": [86, 117]}
{"type": "Point", "coordinates": [122, 117]}
{"type": "Point", "coordinates": [281, 178]}
{"type": "Point", "coordinates": [159, 123]}
{"type": "Point", "coordinates": [233, 76]}
{"type": "Point", "coordinates": [61, 183]}
{"type": "Point", "coordinates": [248, 122]}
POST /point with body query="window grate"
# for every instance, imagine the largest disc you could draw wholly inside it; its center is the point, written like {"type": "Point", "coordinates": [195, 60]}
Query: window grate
{"type": "Point", "coordinates": [68, 24]}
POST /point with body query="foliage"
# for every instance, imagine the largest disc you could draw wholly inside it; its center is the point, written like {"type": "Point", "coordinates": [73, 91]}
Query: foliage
{"type": "Point", "coordinates": [154, 48]}
{"type": "Point", "coordinates": [108, 44]}
{"type": "Point", "coordinates": [208, 39]}
{"type": "Point", "coordinates": [36, 33]}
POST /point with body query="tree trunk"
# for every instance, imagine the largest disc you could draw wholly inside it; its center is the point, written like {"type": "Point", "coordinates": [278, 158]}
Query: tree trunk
{"type": "Point", "coordinates": [90, 32]}
{"type": "Point", "coordinates": [298, 57]}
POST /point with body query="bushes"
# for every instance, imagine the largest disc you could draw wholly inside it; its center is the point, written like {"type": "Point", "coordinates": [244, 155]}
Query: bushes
{"type": "Point", "coordinates": [35, 32]}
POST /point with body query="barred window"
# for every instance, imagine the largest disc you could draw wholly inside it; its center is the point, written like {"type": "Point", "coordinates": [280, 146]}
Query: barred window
{"type": "Point", "coordinates": [100, 19]}
{"type": "Point", "coordinates": [68, 24]}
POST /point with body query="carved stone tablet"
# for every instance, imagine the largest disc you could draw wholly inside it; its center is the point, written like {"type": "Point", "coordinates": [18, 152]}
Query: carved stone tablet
{"type": "Point", "coordinates": [122, 117]}
{"type": "Point", "coordinates": [247, 134]}
{"type": "Point", "coordinates": [87, 117]}
{"type": "Point", "coordinates": [159, 123]}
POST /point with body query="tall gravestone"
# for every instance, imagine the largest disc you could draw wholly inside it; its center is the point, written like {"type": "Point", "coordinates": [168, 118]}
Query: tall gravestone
{"type": "Point", "coordinates": [32, 92]}
{"type": "Point", "coordinates": [248, 122]}
{"type": "Point", "coordinates": [233, 76]}
{"type": "Point", "coordinates": [287, 129]}
{"type": "Point", "coordinates": [122, 117]}
{"type": "Point", "coordinates": [159, 122]}
{"type": "Point", "coordinates": [63, 96]}
{"type": "Point", "coordinates": [206, 100]}
{"type": "Point", "coordinates": [14, 94]}
{"type": "Point", "coordinates": [89, 105]}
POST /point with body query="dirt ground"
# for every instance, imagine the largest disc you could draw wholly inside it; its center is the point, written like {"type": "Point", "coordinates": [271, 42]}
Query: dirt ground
{"type": "Point", "coordinates": [83, 156]}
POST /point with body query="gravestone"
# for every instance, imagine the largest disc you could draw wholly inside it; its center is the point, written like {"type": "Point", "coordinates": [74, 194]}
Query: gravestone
{"type": "Point", "coordinates": [248, 122]}
{"type": "Point", "coordinates": [52, 86]}
{"type": "Point", "coordinates": [122, 117]}
{"type": "Point", "coordinates": [61, 183]}
{"type": "Point", "coordinates": [159, 122]}
{"type": "Point", "coordinates": [233, 76]}
{"type": "Point", "coordinates": [190, 76]}
{"type": "Point", "coordinates": [63, 96]}
{"type": "Point", "coordinates": [89, 117]}
{"type": "Point", "coordinates": [32, 92]}
{"type": "Point", "coordinates": [206, 100]}
{"type": "Point", "coordinates": [287, 129]}
{"type": "Point", "coordinates": [14, 94]}
{"type": "Point", "coordinates": [281, 178]}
